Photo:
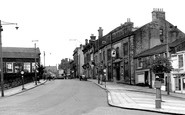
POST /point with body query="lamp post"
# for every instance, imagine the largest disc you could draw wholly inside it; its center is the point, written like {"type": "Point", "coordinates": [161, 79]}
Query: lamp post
{"type": "Point", "coordinates": [1, 54]}
{"type": "Point", "coordinates": [35, 60]}
{"type": "Point", "coordinates": [22, 75]}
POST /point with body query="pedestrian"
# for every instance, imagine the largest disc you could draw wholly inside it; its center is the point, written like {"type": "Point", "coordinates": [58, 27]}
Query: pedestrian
{"type": "Point", "coordinates": [98, 78]}
{"type": "Point", "coordinates": [101, 79]}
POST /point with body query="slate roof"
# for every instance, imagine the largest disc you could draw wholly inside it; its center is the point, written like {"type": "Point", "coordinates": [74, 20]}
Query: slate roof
{"type": "Point", "coordinates": [20, 52]}
{"type": "Point", "coordinates": [177, 42]}
{"type": "Point", "coordinates": [155, 50]}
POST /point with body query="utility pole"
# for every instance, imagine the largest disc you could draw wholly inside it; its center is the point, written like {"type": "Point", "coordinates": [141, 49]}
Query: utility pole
{"type": "Point", "coordinates": [1, 59]}
{"type": "Point", "coordinates": [1, 54]}
{"type": "Point", "coordinates": [44, 58]}
{"type": "Point", "coordinates": [35, 61]}
{"type": "Point", "coordinates": [168, 56]}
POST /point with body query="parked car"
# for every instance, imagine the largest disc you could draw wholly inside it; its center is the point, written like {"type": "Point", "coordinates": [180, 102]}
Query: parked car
{"type": "Point", "coordinates": [60, 76]}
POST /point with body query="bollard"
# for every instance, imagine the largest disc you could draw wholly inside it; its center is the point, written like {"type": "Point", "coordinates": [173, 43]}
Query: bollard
{"type": "Point", "coordinates": [158, 94]}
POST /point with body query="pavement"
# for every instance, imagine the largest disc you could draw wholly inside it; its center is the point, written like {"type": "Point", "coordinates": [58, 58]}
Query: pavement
{"type": "Point", "coordinates": [20, 89]}
{"type": "Point", "coordinates": [142, 98]}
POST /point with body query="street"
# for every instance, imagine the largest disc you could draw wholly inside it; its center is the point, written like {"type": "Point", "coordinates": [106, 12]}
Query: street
{"type": "Point", "coordinates": [63, 97]}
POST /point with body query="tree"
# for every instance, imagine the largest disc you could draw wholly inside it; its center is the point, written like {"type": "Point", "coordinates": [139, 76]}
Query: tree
{"type": "Point", "coordinates": [161, 65]}
{"type": "Point", "coordinates": [40, 69]}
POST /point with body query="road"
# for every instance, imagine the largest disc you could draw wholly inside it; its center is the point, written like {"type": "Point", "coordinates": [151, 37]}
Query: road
{"type": "Point", "coordinates": [63, 97]}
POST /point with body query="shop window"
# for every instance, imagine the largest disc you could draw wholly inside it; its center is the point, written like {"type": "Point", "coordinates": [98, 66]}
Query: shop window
{"type": "Point", "coordinates": [33, 67]}
{"type": "Point", "coordinates": [27, 67]}
{"type": "Point", "coordinates": [9, 67]}
{"type": "Point", "coordinates": [180, 61]}
{"type": "Point", "coordinates": [17, 67]}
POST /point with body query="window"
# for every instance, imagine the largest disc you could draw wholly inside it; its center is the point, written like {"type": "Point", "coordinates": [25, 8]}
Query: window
{"type": "Point", "coordinates": [140, 63]}
{"type": "Point", "coordinates": [125, 49]}
{"type": "Point", "coordinates": [17, 67]}
{"type": "Point", "coordinates": [27, 67]}
{"type": "Point", "coordinates": [9, 67]}
{"type": "Point", "coordinates": [33, 67]}
{"type": "Point", "coordinates": [109, 54]}
{"type": "Point", "coordinates": [103, 55]}
{"type": "Point", "coordinates": [117, 52]}
{"type": "Point", "coordinates": [161, 32]}
{"type": "Point", "coordinates": [100, 55]}
{"type": "Point", "coordinates": [180, 61]}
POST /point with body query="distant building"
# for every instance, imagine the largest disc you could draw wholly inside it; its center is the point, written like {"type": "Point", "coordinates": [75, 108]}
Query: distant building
{"type": "Point", "coordinates": [52, 69]}
{"type": "Point", "coordinates": [78, 57]}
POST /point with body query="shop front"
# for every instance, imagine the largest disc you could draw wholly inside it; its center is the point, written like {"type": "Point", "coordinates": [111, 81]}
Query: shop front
{"type": "Point", "coordinates": [179, 82]}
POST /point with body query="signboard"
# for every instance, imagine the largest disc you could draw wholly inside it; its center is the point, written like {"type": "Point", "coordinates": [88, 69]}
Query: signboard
{"type": "Point", "coordinates": [157, 84]}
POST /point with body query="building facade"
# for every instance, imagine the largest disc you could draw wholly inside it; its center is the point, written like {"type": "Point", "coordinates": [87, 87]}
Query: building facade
{"type": "Point", "coordinates": [78, 58]}
{"type": "Point", "coordinates": [17, 59]}
{"type": "Point", "coordinates": [150, 41]}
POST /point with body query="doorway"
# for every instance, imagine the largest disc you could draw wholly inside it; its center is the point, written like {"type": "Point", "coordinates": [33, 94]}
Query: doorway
{"type": "Point", "coordinates": [146, 78]}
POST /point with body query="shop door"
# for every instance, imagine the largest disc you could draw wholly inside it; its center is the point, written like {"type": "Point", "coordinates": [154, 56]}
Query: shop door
{"type": "Point", "coordinates": [118, 71]}
{"type": "Point", "coordinates": [109, 73]}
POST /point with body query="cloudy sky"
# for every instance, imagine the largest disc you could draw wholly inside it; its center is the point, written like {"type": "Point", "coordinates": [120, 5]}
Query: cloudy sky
{"type": "Point", "coordinates": [61, 25]}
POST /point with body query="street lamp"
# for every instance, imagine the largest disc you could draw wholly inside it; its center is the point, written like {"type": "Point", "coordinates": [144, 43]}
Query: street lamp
{"type": "Point", "coordinates": [22, 75]}
{"type": "Point", "coordinates": [1, 54]}
{"type": "Point", "coordinates": [35, 60]}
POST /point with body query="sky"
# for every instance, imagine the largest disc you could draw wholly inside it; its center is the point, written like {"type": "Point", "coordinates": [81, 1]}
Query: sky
{"type": "Point", "coordinates": [62, 25]}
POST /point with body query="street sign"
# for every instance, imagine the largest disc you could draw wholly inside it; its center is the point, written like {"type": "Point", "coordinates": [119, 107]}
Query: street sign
{"type": "Point", "coordinates": [113, 53]}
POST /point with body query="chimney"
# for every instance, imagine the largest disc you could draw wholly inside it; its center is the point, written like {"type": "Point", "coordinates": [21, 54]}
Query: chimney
{"type": "Point", "coordinates": [100, 32]}
{"type": "Point", "coordinates": [158, 14]}
{"type": "Point", "coordinates": [93, 38]}
{"type": "Point", "coordinates": [86, 41]}
{"type": "Point", "coordinates": [80, 45]}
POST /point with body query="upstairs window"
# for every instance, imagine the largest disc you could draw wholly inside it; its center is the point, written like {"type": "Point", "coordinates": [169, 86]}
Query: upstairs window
{"type": "Point", "coordinates": [140, 63]}
{"type": "Point", "coordinates": [180, 57]}
{"type": "Point", "coordinates": [103, 55]}
{"type": "Point", "coordinates": [125, 49]}
{"type": "Point", "coordinates": [161, 32]}
{"type": "Point", "coordinates": [117, 52]}
{"type": "Point", "coordinates": [109, 54]}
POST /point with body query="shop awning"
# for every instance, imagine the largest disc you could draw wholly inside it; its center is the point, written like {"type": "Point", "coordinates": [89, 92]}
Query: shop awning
{"type": "Point", "coordinates": [178, 75]}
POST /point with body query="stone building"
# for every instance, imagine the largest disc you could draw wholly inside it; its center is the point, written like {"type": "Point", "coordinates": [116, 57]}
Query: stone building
{"type": "Point", "coordinates": [88, 51]}
{"type": "Point", "coordinates": [151, 40]}
{"type": "Point", "coordinates": [126, 51]}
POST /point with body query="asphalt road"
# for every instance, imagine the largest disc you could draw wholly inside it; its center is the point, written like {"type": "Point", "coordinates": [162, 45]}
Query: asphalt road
{"type": "Point", "coordinates": [63, 97]}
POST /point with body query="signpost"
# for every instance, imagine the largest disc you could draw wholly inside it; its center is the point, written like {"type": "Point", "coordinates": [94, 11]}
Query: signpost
{"type": "Point", "coordinates": [158, 94]}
